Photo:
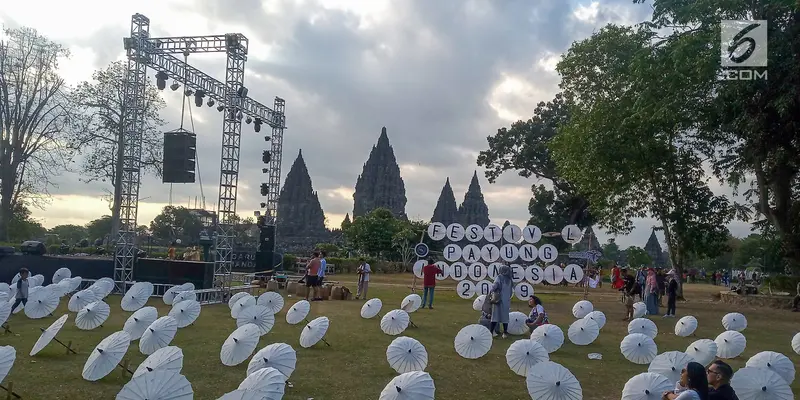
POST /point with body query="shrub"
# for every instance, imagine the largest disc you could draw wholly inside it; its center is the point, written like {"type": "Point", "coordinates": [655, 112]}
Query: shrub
{"type": "Point", "coordinates": [783, 283]}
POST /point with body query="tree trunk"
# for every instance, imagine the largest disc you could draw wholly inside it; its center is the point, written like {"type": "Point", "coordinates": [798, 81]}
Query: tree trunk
{"type": "Point", "coordinates": [117, 182]}
{"type": "Point", "coordinates": [6, 208]}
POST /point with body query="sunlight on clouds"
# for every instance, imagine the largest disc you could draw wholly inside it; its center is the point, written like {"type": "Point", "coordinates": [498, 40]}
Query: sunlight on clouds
{"type": "Point", "coordinates": [549, 62]}
{"type": "Point", "coordinates": [409, 171]}
{"type": "Point", "coordinates": [340, 193]}
{"type": "Point", "coordinates": [512, 98]}
{"type": "Point", "coordinates": [587, 13]}
{"type": "Point", "coordinates": [73, 69]}
{"type": "Point", "coordinates": [370, 12]}
{"type": "Point", "coordinates": [79, 210]}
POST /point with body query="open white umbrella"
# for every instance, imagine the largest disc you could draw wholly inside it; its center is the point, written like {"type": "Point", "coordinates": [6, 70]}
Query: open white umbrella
{"type": "Point", "coordinates": [298, 312]}
{"type": "Point", "coordinates": [582, 308]}
{"type": "Point", "coordinates": [644, 326]}
{"type": "Point", "coordinates": [371, 308]}
{"type": "Point", "coordinates": [646, 386]}
{"type": "Point", "coordinates": [157, 385]}
{"type": "Point", "coordinates": [411, 303]}
{"type": "Point", "coordinates": [272, 300]}
{"type": "Point", "coordinates": [243, 394]}
{"type": "Point", "coordinates": [136, 297]}
{"type": "Point", "coordinates": [638, 348]}
{"type": "Point", "coordinates": [7, 357]}
{"type": "Point", "coordinates": [241, 304]}
{"type": "Point", "coordinates": [670, 364]}
{"type": "Point", "coordinates": [93, 315]}
{"type": "Point", "coordinates": [102, 287]}
{"type": "Point", "coordinates": [60, 289]}
{"type": "Point", "coordinates": [5, 288]}
{"type": "Point", "coordinates": [477, 304]}
{"type": "Point", "coordinates": [269, 382]}
{"type": "Point", "coordinates": [185, 312]}
{"type": "Point", "coordinates": [639, 309]}
{"type": "Point", "coordinates": [730, 344]}
{"type": "Point", "coordinates": [36, 280]}
{"type": "Point", "coordinates": [795, 341]}
{"type": "Point", "coordinates": [239, 345]}
{"type": "Point", "coordinates": [760, 384]}
{"type": "Point", "coordinates": [61, 274]}
{"type": "Point", "coordinates": [395, 322]}
{"type": "Point", "coordinates": [685, 326]}
{"type": "Point", "coordinates": [550, 336]}
{"type": "Point", "coordinates": [81, 299]}
{"type": "Point", "coordinates": [235, 298]}
{"type": "Point", "coordinates": [260, 316]}
{"type": "Point", "coordinates": [106, 356]}
{"type": "Point", "coordinates": [583, 332]}
{"type": "Point", "coordinates": [523, 354]}
{"type": "Point", "coordinates": [314, 332]}
{"type": "Point", "coordinates": [185, 296]}
{"type": "Point", "coordinates": [734, 322]}
{"type": "Point", "coordinates": [158, 335]}
{"type": "Point", "coordinates": [516, 323]}
{"type": "Point", "coordinates": [73, 283]}
{"type": "Point", "coordinates": [551, 381]}
{"type": "Point", "coordinates": [5, 311]}
{"type": "Point", "coordinates": [169, 295]}
{"type": "Point", "coordinates": [703, 351]}
{"type": "Point", "coordinates": [414, 385]}
{"type": "Point", "coordinates": [139, 321]}
{"type": "Point", "coordinates": [473, 341]}
{"type": "Point", "coordinates": [406, 354]}
{"type": "Point", "coordinates": [41, 303]}
{"type": "Point", "coordinates": [598, 317]}
{"type": "Point", "coordinates": [49, 334]}
{"type": "Point", "coordinates": [777, 362]}
{"type": "Point", "coordinates": [280, 356]}
{"type": "Point", "coordinates": [166, 359]}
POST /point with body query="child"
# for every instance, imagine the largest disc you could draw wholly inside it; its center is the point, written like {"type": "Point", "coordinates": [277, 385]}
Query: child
{"type": "Point", "coordinates": [22, 289]}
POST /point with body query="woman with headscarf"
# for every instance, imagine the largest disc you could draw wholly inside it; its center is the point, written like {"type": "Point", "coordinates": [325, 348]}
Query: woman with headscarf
{"type": "Point", "coordinates": [500, 298]}
{"type": "Point", "coordinates": [651, 290]}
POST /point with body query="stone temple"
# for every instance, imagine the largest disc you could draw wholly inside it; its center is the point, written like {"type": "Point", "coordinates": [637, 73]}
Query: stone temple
{"type": "Point", "coordinates": [301, 221]}
{"type": "Point", "coordinates": [380, 184]}
{"type": "Point", "coordinates": [473, 210]}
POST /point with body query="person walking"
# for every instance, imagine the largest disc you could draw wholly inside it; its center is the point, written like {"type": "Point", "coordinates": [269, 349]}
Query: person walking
{"type": "Point", "coordinates": [500, 297]}
{"type": "Point", "coordinates": [22, 289]}
{"type": "Point", "coordinates": [672, 294]}
{"type": "Point", "coordinates": [363, 271]}
{"type": "Point", "coordinates": [429, 282]}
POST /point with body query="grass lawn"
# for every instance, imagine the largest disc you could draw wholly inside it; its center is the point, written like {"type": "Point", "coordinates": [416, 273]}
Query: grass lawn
{"type": "Point", "coordinates": [356, 368]}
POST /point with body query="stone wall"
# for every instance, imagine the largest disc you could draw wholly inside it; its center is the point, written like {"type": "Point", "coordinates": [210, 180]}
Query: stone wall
{"type": "Point", "coordinates": [756, 300]}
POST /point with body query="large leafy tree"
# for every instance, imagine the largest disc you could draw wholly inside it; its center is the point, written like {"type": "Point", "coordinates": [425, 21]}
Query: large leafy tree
{"type": "Point", "coordinates": [373, 234]}
{"type": "Point", "coordinates": [69, 233]}
{"type": "Point", "coordinates": [22, 226]}
{"type": "Point", "coordinates": [99, 228]}
{"type": "Point", "coordinates": [177, 223]}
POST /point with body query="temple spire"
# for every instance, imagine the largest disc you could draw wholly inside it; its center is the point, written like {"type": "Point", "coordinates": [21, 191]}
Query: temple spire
{"type": "Point", "coordinates": [473, 210]}
{"type": "Point", "coordinates": [446, 210]}
{"type": "Point", "coordinates": [380, 183]}
{"type": "Point", "coordinates": [299, 210]}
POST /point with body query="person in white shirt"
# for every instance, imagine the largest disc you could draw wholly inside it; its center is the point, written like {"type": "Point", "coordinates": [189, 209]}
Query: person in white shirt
{"type": "Point", "coordinates": [694, 380]}
{"type": "Point", "coordinates": [363, 279]}
{"type": "Point", "coordinates": [323, 266]}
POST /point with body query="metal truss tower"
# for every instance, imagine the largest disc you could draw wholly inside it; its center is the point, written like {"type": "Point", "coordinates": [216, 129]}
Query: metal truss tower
{"type": "Point", "coordinates": [157, 53]}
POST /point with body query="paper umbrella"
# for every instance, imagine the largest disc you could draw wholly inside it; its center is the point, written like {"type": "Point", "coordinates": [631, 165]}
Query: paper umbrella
{"type": "Point", "coordinates": [670, 364]}
{"type": "Point", "coordinates": [314, 332]}
{"type": "Point", "coordinates": [158, 335]}
{"type": "Point", "coordinates": [298, 312]}
{"type": "Point", "coordinates": [185, 312]}
{"type": "Point", "coordinates": [730, 344]}
{"type": "Point", "coordinates": [703, 351]}
{"type": "Point", "coordinates": [760, 384]}
{"type": "Point", "coordinates": [411, 303]}
{"type": "Point", "coordinates": [598, 317]}
{"type": "Point", "coordinates": [371, 308]}
{"type": "Point", "coordinates": [523, 354]}
{"type": "Point", "coordinates": [646, 386]}
{"type": "Point", "coordinates": [685, 326]}
{"type": "Point", "coordinates": [734, 322]}
{"type": "Point", "coordinates": [549, 380]}
{"type": "Point", "coordinates": [136, 297]}
{"type": "Point", "coordinates": [272, 300]}
{"type": "Point", "coordinates": [583, 332]}
{"type": "Point", "coordinates": [157, 385]}
{"type": "Point", "coordinates": [638, 348]}
{"type": "Point", "coordinates": [582, 308]}
{"type": "Point", "coordinates": [406, 354]}
{"type": "Point", "coordinates": [269, 382]}
{"type": "Point", "coordinates": [139, 321]}
{"type": "Point", "coordinates": [42, 303]}
{"type": "Point", "coordinates": [165, 359]}
{"type": "Point", "coordinates": [93, 315]}
{"type": "Point", "coordinates": [414, 385]}
{"type": "Point", "coordinates": [777, 362]}
{"type": "Point", "coordinates": [106, 356]}
{"type": "Point", "coordinates": [81, 299]}
{"type": "Point", "coordinates": [280, 356]}
{"type": "Point", "coordinates": [516, 323]}
{"type": "Point", "coordinates": [239, 345]}
{"type": "Point", "coordinates": [241, 304]}
{"type": "Point", "coordinates": [550, 336]}
{"type": "Point", "coordinates": [260, 316]}
{"type": "Point", "coordinates": [473, 341]}
{"type": "Point", "coordinates": [643, 326]}
{"type": "Point", "coordinates": [49, 334]}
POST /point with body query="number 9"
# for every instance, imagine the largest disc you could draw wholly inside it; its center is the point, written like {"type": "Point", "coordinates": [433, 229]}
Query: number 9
{"type": "Point", "coordinates": [524, 290]}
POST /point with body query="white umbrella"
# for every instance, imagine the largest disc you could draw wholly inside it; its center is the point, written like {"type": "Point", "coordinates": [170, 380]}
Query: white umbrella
{"type": "Point", "coordinates": [139, 321]}
{"type": "Point", "coordinates": [243, 394]}
{"type": "Point", "coordinates": [235, 298]}
{"type": "Point", "coordinates": [670, 364]}
{"type": "Point", "coordinates": [260, 316]}
{"type": "Point", "coordinates": [760, 384]}
{"type": "Point", "coordinates": [703, 351]}
{"type": "Point", "coordinates": [582, 308]}
{"type": "Point", "coordinates": [414, 385]}
{"type": "Point", "coordinates": [598, 317]}
{"type": "Point", "coordinates": [405, 354]}
{"type": "Point", "coordinates": [241, 304]}
{"type": "Point", "coordinates": [49, 334]}
{"type": "Point", "coordinates": [643, 325]}
{"type": "Point", "coordinates": [550, 336]}
{"type": "Point", "coordinates": [795, 342]}
{"type": "Point", "coordinates": [136, 297]}
{"type": "Point", "coordinates": [523, 354]}
{"type": "Point", "coordinates": [734, 322]}
{"type": "Point", "coordinates": [551, 381]}
{"type": "Point", "coordinates": [280, 356]}
{"type": "Point", "coordinates": [411, 303]}
{"type": "Point", "coordinates": [298, 312]}
{"type": "Point", "coordinates": [239, 345]}
{"type": "Point", "coordinates": [477, 304]}
{"type": "Point", "coordinates": [102, 287]}
{"type": "Point", "coordinates": [106, 356]}
{"type": "Point", "coordinates": [473, 341]}
{"type": "Point", "coordinates": [93, 315]}
{"type": "Point", "coordinates": [272, 300]}
{"type": "Point", "coordinates": [158, 335]}
{"type": "Point", "coordinates": [73, 283]}
{"type": "Point", "coordinates": [730, 344]}
{"type": "Point", "coordinates": [188, 286]}
{"type": "Point", "coordinates": [157, 385]}
{"type": "Point", "coordinates": [516, 323]}
{"type": "Point", "coordinates": [169, 295]}
{"type": "Point", "coordinates": [185, 296]}
{"type": "Point", "coordinates": [371, 308]}
{"type": "Point", "coordinates": [685, 326]}
{"type": "Point", "coordinates": [61, 274]}
{"type": "Point", "coordinates": [269, 382]}
{"type": "Point", "coordinates": [60, 289]}
{"type": "Point", "coordinates": [776, 362]}
{"type": "Point", "coordinates": [185, 312]}
{"type": "Point", "coordinates": [314, 332]}
{"type": "Point", "coordinates": [583, 332]}
{"type": "Point", "coordinates": [395, 322]}
{"type": "Point", "coordinates": [41, 304]}
{"type": "Point", "coordinates": [7, 356]}
{"type": "Point", "coordinates": [638, 348]}
{"type": "Point", "coordinates": [4, 296]}
{"type": "Point", "coordinates": [647, 386]}
{"type": "Point", "coordinates": [4, 288]}
{"type": "Point", "coordinates": [81, 299]}
{"type": "Point", "coordinates": [36, 280]}
{"type": "Point", "coordinates": [5, 311]}
{"type": "Point", "coordinates": [166, 359]}
{"type": "Point", "coordinates": [639, 309]}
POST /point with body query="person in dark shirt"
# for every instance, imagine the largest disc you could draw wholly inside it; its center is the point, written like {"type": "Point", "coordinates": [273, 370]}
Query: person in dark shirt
{"type": "Point", "coordinates": [719, 375]}
{"type": "Point", "coordinates": [672, 294]}
{"type": "Point", "coordinates": [429, 273]}
{"type": "Point", "coordinates": [631, 289]}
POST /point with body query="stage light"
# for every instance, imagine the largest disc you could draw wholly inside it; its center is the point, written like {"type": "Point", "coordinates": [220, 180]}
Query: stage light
{"type": "Point", "coordinates": [188, 92]}
{"type": "Point", "coordinates": [242, 92]}
{"type": "Point", "coordinates": [220, 108]}
{"type": "Point", "coordinates": [211, 102]}
{"type": "Point", "coordinates": [267, 138]}
{"type": "Point", "coordinates": [266, 156]}
{"type": "Point", "coordinates": [257, 126]}
{"type": "Point", "coordinates": [263, 205]}
{"type": "Point", "coordinates": [248, 120]}
{"type": "Point", "coordinates": [198, 98]}
{"type": "Point", "coordinates": [174, 86]}
{"type": "Point", "coordinates": [161, 80]}
{"type": "Point", "coordinates": [240, 115]}
{"type": "Point", "coordinates": [264, 170]}
{"type": "Point", "coordinates": [264, 189]}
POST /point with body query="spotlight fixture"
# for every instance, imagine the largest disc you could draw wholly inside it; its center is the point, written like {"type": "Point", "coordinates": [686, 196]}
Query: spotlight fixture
{"type": "Point", "coordinates": [242, 92]}
{"type": "Point", "coordinates": [174, 86]}
{"type": "Point", "coordinates": [264, 189]}
{"type": "Point", "coordinates": [210, 102]}
{"type": "Point", "coordinates": [264, 170]}
{"type": "Point", "coordinates": [220, 108]}
{"type": "Point", "coordinates": [266, 156]}
{"type": "Point", "coordinates": [161, 80]}
{"type": "Point", "coordinates": [263, 205]}
{"type": "Point", "coordinates": [257, 126]}
{"type": "Point", "coordinates": [188, 92]}
{"type": "Point", "coordinates": [198, 98]}
{"type": "Point", "coordinates": [267, 138]}
{"type": "Point", "coordinates": [240, 115]}
{"type": "Point", "coordinates": [248, 120]}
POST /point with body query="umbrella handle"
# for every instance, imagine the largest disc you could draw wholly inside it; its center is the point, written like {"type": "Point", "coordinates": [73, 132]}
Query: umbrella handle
{"type": "Point", "coordinates": [412, 323]}
{"type": "Point", "coordinates": [7, 328]}
{"type": "Point", "coordinates": [10, 390]}
{"type": "Point", "coordinates": [326, 342]}
{"type": "Point", "coordinates": [68, 347]}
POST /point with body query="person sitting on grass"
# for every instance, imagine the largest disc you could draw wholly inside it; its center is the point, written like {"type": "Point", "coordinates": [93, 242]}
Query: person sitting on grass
{"type": "Point", "coordinates": [538, 315]}
{"type": "Point", "coordinates": [429, 273]}
{"type": "Point", "coordinates": [694, 379]}
{"type": "Point", "coordinates": [486, 313]}
{"type": "Point", "coordinates": [719, 375]}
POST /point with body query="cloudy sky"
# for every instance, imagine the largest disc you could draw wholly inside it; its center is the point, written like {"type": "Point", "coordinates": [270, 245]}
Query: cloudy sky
{"type": "Point", "coordinates": [440, 75]}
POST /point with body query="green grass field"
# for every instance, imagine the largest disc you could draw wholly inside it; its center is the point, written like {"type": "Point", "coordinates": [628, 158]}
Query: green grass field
{"type": "Point", "coordinates": [355, 366]}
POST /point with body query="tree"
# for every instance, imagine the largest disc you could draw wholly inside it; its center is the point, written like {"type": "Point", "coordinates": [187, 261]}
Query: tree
{"type": "Point", "coordinates": [103, 100]}
{"type": "Point", "coordinates": [22, 226]}
{"type": "Point", "coordinates": [34, 115]}
{"type": "Point", "coordinates": [760, 249]}
{"type": "Point", "coordinates": [637, 257]}
{"type": "Point", "coordinates": [611, 251]}
{"type": "Point", "coordinates": [175, 223]}
{"type": "Point", "coordinates": [71, 234]}
{"type": "Point", "coordinates": [99, 228]}
{"type": "Point", "coordinates": [409, 236]}
{"type": "Point", "coordinates": [372, 234]}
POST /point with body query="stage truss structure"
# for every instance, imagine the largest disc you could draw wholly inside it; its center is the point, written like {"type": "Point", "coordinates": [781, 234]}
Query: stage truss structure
{"type": "Point", "coordinates": [158, 53]}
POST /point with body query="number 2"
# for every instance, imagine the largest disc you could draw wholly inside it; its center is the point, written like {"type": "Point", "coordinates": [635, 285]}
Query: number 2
{"type": "Point", "coordinates": [466, 289]}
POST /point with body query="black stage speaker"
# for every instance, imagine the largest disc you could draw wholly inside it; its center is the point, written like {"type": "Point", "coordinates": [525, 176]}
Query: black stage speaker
{"type": "Point", "coordinates": [180, 153]}
{"type": "Point", "coordinates": [266, 238]}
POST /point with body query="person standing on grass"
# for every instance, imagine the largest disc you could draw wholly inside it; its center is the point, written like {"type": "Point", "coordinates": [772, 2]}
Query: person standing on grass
{"type": "Point", "coordinates": [312, 271]}
{"type": "Point", "coordinates": [631, 290]}
{"type": "Point", "coordinates": [323, 265]}
{"type": "Point", "coordinates": [500, 297]}
{"type": "Point", "coordinates": [429, 273]}
{"type": "Point", "coordinates": [22, 289]}
{"type": "Point", "coordinates": [363, 278]}
{"type": "Point", "coordinates": [672, 294]}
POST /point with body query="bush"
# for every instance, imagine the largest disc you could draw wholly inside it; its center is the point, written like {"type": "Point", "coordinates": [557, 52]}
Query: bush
{"type": "Point", "coordinates": [783, 283]}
